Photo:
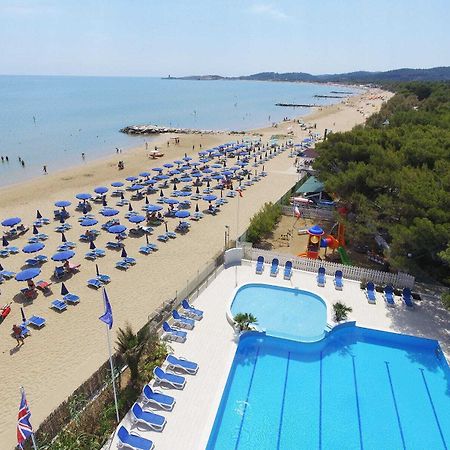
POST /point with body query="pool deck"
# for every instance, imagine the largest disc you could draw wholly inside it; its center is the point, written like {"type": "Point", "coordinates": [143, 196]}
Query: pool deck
{"type": "Point", "coordinates": [212, 345]}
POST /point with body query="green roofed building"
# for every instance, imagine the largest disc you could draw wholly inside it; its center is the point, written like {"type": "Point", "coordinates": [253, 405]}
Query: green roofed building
{"type": "Point", "coordinates": [311, 186]}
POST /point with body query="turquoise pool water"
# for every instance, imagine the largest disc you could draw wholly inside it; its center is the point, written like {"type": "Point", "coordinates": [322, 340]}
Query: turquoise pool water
{"type": "Point", "coordinates": [356, 389]}
{"type": "Point", "coordinates": [283, 312]}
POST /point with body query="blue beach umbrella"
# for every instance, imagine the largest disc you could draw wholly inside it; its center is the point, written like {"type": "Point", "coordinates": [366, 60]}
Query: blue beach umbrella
{"type": "Point", "coordinates": [209, 198]}
{"type": "Point", "coordinates": [28, 274]}
{"type": "Point", "coordinates": [162, 177]}
{"type": "Point", "coordinates": [207, 170]}
{"type": "Point", "coordinates": [101, 190]}
{"type": "Point", "coordinates": [109, 212]}
{"type": "Point", "coordinates": [12, 221]}
{"type": "Point", "coordinates": [174, 172]}
{"type": "Point", "coordinates": [171, 201]}
{"type": "Point", "coordinates": [184, 193]}
{"type": "Point", "coordinates": [178, 161]}
{"type": "Point", "coordinates": [168, 165]}
{"type": "Point", "coordinates": [145, 174]}
{"type": "Point", "coordinates": [153, 208]}
{"type": "Point", "coordinates": [182, 214]}
{"type": "Point", "coordinates": [131, 178]}
{"type": "Point", "coordinates": [117, 229]}
{"type": "Point", "coordinates": [136, 219]}
{"type": "Point", "coordinates": [186, 179]}
{"type": "Point", "coordinates": [157, 169]}
{"type": "Point", "coordinates": [63, 256]}
{"type": "Point", "coordinates": [116, 184]}
{"type": "Point", "coordinates": [33, 248]}
{"type": "Point", "coordinates": [137, 187]}
{"type": "Point", "coordinates": [83, 196]}
{"type": "Point", "coordinates": [62, 203]}
{"type": "Point", "coordinates": [88, 222]}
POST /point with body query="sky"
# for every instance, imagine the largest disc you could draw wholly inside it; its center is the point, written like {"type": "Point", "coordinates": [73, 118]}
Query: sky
{"type": "Point", "coordinates": [226, 37]}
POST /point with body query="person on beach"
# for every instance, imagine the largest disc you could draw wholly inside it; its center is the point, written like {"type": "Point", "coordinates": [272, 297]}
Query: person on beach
{"type": "Point", "coordinates": [23, 163]}
{"type": "Point", "coordinates": [45, 170]}
{"type": "Point", "coordinates": [7, 159]}
{"type": "Point", "coordinates": [3, 159]}
{"type": "Point", "coordinates": [83, 155]}
{"type": "Point", "coordinates": [17, 333]}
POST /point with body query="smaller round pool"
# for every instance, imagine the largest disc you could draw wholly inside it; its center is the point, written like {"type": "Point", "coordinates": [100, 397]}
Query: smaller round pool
{"type": "Point", "coordinates": [283, 312]}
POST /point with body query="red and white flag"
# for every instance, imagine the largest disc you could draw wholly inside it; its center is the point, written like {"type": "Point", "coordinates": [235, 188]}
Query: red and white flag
{"type": "Point", "coordinates": [297, 212]}
{"type": "Point", "coordinates": [239, 191]}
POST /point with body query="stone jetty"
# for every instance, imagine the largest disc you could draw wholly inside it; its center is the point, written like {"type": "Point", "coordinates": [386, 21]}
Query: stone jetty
{"type": "Point", "coordinates": [155, 129]}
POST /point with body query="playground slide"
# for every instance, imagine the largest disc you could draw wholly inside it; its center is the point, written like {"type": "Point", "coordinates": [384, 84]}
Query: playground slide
{"type": "Point", "coordinates": [302, 255]}
{"type": "Point", "coordinates": [344, 256]}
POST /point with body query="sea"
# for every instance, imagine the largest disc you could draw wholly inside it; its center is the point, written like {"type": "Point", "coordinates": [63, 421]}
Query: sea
{"type": "Point", "coordinates": [53, 120]}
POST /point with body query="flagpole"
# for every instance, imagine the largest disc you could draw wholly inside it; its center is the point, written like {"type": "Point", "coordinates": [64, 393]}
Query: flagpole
{"type": "Point", "coordinates": [33, 439]}
{"type": "Point", "coordinates": [112, 372]}
{"type": "Point", "coordinates": [237, 234]}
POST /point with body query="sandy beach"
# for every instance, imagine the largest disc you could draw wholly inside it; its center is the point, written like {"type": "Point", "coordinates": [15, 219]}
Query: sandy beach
{"type": "Point", "coordinates": [55, 360]}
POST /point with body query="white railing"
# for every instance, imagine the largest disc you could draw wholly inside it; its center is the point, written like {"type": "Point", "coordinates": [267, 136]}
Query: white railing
{"type": "Point", "coordinates": [309, 212]}
{"type": "Point", "coordinates": [398, 280]}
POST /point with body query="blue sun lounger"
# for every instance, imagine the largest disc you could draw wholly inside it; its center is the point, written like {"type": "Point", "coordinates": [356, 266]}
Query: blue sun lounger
{"type": "Point", "coordinates": [94, 283]}
{"type": "Point", "coordinates": [175, 381]}
{"type": "Point", "coordinates": [104, 279]}
{"type": "Point", "coordinates": [173, 334]}
{"type": "Point", "coordinates": [182, 322]}
{"type": "Point", "coordinates": [133, 441]}
{"type": "Point", "coordinates": [274, 267]}
{"type": "Point", "coordinates": [174, 363]}
{"type": "Point", "coordinates": [338, 284]}
{"type": "Point", "coordinates": [59, 272]}
{"type": "Point", "coordinates": [129, 260]}
{"type": "Point", "coordinates": [154, 421]}
{"type": "Point", "coordinates": [145, 249]}
{"type": "Point", "coordinates": [287, 270]}
{"type": "Point", "coordinates": [407, 297]}
{"type": "Point", "coordinates": [122, 265]}
{"type": "Point", "coordinates": [71, 298]}
{"type": "Point", "coordinates": [163, 238]}
{"type": "Point", "coordinates": [59, 305]}
{"type": "Point", "coordinates": [321, 277]}
{"type": "Point", "coordinates": [388, 295]}
{"type": "Point", "coordinates": [260, 265]}
{"type": "Point", "coordinates": [157, 398]}
{"type": "Point", "coordinates": [36, 321]}
{"type": "Point", "coordinates": [190, 311]}
{"type": "Point", "coordinates": [7, 274]}
{"type": "Point", "coordinates": [370, 292]}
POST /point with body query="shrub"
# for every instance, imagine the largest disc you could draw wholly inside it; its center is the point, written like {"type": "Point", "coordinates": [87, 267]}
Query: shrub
{"type": "Point", "coordinates": [263, 222]}
{"type": "Point", "coordinates": [340, 311]}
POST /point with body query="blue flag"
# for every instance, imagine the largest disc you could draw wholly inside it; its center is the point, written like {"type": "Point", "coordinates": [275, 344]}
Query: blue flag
{"type": "Point", "coordinates": [107, 317]}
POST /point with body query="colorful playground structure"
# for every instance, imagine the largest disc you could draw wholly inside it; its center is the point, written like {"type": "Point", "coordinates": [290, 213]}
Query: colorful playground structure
{"type": "Point", "coordinates": [317, 240]}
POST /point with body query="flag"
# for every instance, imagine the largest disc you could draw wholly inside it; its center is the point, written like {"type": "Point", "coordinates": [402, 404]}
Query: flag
{"type": "Point", "coordinates": [107, 317]}
{"type": "Point", "coordinates": [239, 190]}
{"type": "Point", "coordinates": [297, 212]}
{"type": "Point", "coordinates": [24, 428]}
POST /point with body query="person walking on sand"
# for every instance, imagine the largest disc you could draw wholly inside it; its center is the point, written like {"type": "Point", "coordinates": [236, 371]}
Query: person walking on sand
{"type": "Point", "coordinates": [17, 333]}
{"type": "Point", "coordinates": [45, 170]}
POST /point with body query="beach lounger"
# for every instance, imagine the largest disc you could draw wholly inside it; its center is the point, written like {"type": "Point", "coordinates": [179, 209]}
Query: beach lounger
{"type": "Point", "coordinates": [41, 259]}
{"type": "Point", "coordinates": [388, 295]}
{"type": "Point", "coordinates": [133, 441]}
{"type": "Point", "coordinates": [182, 322]}
{"type": "Point", "coordinates": [7, 274]}
{"type": "Point", "coordinates": [173, 334]}
{"type": "Point", "coordinates": [36, 321]}
{"type": "Point", "coordinates": [129, 260]}
{"type": "Point", "coordinates": [407, 297]}
{"type": "Point", "coordinates": [29, 294]}
{"type": "Point", "coordinates": [174, 363]}
{"type": "Point", "coordinates": [145, 249]}
{"type": "Point", "coordinates": [287, 270]}
{"type": "Point", "coordinates": [114, 245]}
{"type": "Point", "coordinates": [71, 298]}
{"type": "Point", "coordinates": [370, 292]}
{"type": "Point", "coordinates": [175, 381]}
{"type": "Point", "coordinates": [90, 255]}
{"type": "Point", "coordinates": [59, 272]}
{"type": "Point", "coordinates": [12, 250]}
{"type": "Point", "coordinates": [260, 265]}
{"type": "Point", "coordinates": [44, 286]}
{"type": "Point", "coordinates": [59, 305]}
{"type": "Point", "coordinates": [338, 284]}
{"type": "Point", "coordinates": [190, 311]}
{"type": "Point", "coordinates": [321, 277]}
{"type": "Point", "coordinates": [154, 421]}
{"type": "Point", "coordinates": [163, 238]}
{"type": "Point", "coordinates": [4, 253]}
{"type": "Point", "coordinates": [157, 398]}
{"type": "Point", "coordinates": [122, 265]}
{"type": "Point", "coordinates": [73, 267]}
{"type": "Point", "coordinates": [32, 262]}
{"type": "Point", "coordinates": [94, 283]}
{"type": "Point", "coordinates": [274, 267]}
{"type": "Point", "coordinates": [103, 278]}
{"type": "Point", "coordinates": [99, 252]}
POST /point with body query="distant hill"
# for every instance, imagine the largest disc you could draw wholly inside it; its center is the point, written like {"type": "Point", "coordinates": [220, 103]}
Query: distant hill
{"type": "Point", "coordinates": [398, 75]}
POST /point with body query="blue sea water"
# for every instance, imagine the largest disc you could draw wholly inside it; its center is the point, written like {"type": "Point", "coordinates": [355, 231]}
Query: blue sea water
{"type": "Point", "coordinates": [51, 120]}
{"type": "Point", "coordinates": [356, 389]}
{"type": "Point", "coordinates": [281, 311]}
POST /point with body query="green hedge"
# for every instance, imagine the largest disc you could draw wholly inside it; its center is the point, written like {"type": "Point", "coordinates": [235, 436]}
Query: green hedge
{"type": "Point", "coordinates": [263, 222]}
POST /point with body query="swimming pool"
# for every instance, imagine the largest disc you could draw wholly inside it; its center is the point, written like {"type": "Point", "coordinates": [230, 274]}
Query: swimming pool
{"type": "Point", "coordinates": [357, 388]}
{"type": "Point", "coordinates": [283, 312]}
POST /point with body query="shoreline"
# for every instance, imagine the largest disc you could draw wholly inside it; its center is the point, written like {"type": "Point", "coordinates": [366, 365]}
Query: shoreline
{"type": "Point", "coordinates": [72, 344]}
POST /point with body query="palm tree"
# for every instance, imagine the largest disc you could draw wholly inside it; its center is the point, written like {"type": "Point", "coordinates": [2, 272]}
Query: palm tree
{"type": "Point", "coordinates": [244, 321]}
{"type": "Point", "coordinates": [340, 311]}
{"type": "Point", "coordinates": [132, 346]}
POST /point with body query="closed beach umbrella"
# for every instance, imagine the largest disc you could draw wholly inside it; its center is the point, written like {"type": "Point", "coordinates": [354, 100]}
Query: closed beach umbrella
{"type": "Point", "coordinates": [197, 209]}
{"type": "Point", "coordinates": [88, 222]}
{"type": "Point", "coordinates": [33, 248]}
{"type": "Point", "coordinates": [197, 191]}
{"type": "Point", "coordinates": [161, 193]}
{"type": "Point", "coordinates": [124, 253]}
{"type": "Point", "coordinates": [130, 207]}
{"type": "Point", "coordinates": [146, 239]}
{"type": "Point", "coordinates": [28, 274]}
{"type": "Point", "coordinates": [116, 229]}
{"type": "Point", "coordinates": [104, 202]}
{"type": "Point", "coordinates": [96, 270]}
{"type": "Point", "coordinates": [63, 237]}
{"type": "Point", "coordinates": [5, 242]}
{"type": "Point", "coordinates": [136, 219]}
{"type": "Point", "coordinates": [64, 290]}
{"type": "Point", "coordinates": [109, 212]}
{"type": "Point", "coordinates": [101, 190]}
{"type": "Point", "coordinates": [62, 203]}
{"type": "Point", "coordinates": [92, 245]}
{"type": "Point", "coordinates": [165, 225]}
{"type": "Point", "coordinates": [38, 215]}
{"type": "Point", "coordinates": [11, 222]}
{"type": "Point", "coordinates": [146, 200]}
{"type": "Point", "coordinates": [35, 230]}
{"type": "Point", "coordinates": [22, 312]}
{"type": "Point", "coordinates": [182, 214]}
{"type": "Point", "coordinates": [63, 256]}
